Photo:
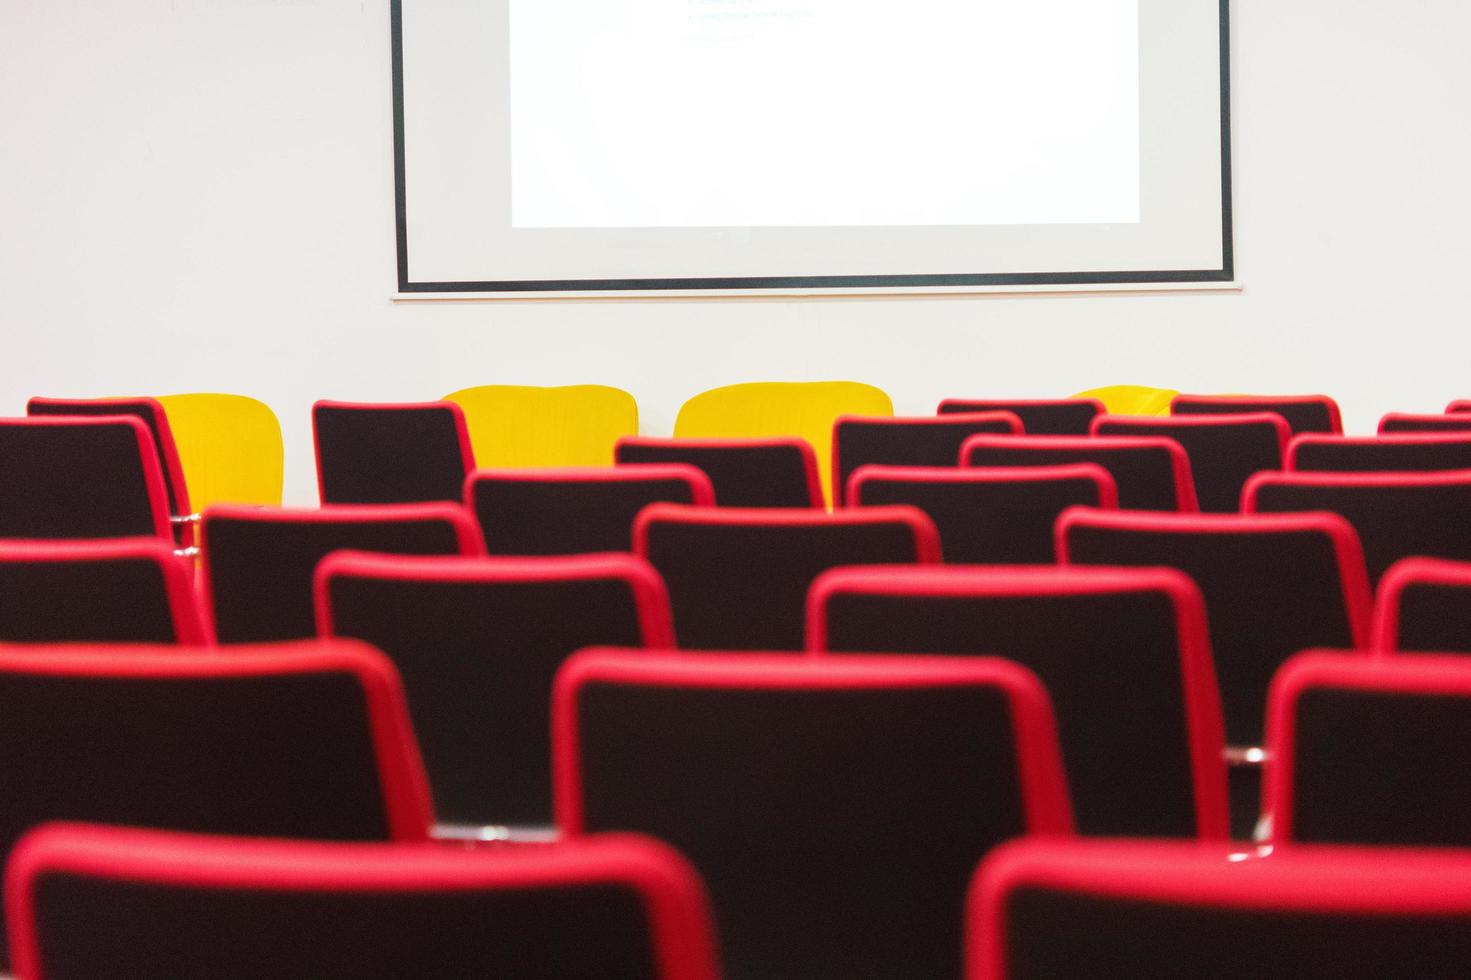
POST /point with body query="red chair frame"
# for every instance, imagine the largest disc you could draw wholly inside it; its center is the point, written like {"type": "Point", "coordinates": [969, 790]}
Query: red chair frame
{"type": "Point", "coordinates": [1108, 493]}
{"type": "Point", "coordinates": [1398, 438]}
{"type": "Point", "coordinates": [926, 535]}
{"type": "Point", "coordinates": [802, 446]}
{"type": "Point", "coordinates": [1185, 500]}
{"type": "Point", "coordinates": [914, 421]}
{"type": "Point", "coordinates": [1402, 575]}
{"type": "Point", "coordinates": [1263, 403]}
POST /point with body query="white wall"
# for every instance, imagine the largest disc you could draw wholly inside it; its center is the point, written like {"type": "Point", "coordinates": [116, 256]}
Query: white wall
{"type": "Point", "coordinates": [197, 195]}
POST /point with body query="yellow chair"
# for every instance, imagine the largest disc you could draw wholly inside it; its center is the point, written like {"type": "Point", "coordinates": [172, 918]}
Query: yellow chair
{"type": "Point", "coordinates": [805, 409]}
{"type": "Point", "coordinates": [230, 447]}
{"type": "Point", "coordinates": [1132, 399]}
{"type": "Point", "coordinates": [523, 426]}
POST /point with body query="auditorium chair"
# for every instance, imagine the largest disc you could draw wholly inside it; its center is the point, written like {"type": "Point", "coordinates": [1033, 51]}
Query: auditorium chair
{"type": "Point", "coordinates": [70, 477]}
{"type": "Point", "coordinates": [95, 901]}
{"type": "Point", "coordinates": [1458, 406]}
{"type": "Point", "coordinates": [1039, 416]}
{"type": "Point", "coordinates": [477, 642]}
{"type": "Point", "coordinates": [1401, 423]}
{"type": "Point", "coordinates": [772, 472]}
{"type": "Point", "coordinates": [122, 590]}
{"type": "Point", "coordinates": [1424, 604]}
{"type": "Point", "coordinates": [1302, 413]}
{"type": "Point", "coordinates": [564, 512]}
{"type": "Point", "coordinates": [932, 440]}
{"type": "Point", "coordinates": [1273, 585]}
{"type": "Point", "coordinates": [1225, 450]}
{"type": "Point", "coordinates": [1396, 515]}
{"type": "Point", "coordinates": [300, 740]}
{"type": "Point", "coordinates": [230, 448]}
{"type": "Point", "coordinates": [1417, 452]}
{"type": "Point", "coordinates": [1371, 750]}
{"type": "Point", "coordinates": [1001, 516]}
{"type": "Point", "coordinates": [835, 808]}
{"type": "Point", "coordinates": [1123, 910]}
{"type": "Point", "coordinates": [738, 579]}
{"type": "Point", "coordinates": [390, 453]}
{"type": "Point", "coordinates": [514, 426]}
{"type": "Point", "coordinates": [1124, 654]}
{"type": "Point", "coordinates": [258, 562]}
{"type": "Point", "coordinates": [1151, 473]}
{"type": "Point", "coordinates": [1131, 399]}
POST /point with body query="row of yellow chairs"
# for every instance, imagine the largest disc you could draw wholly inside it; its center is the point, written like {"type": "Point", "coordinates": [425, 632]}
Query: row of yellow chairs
{"type": "Point", "coordinates": [231, 450]}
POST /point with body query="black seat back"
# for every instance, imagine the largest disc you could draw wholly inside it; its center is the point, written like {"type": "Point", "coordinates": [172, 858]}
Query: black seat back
{"type": "Point", "coordinates": [390, 454]}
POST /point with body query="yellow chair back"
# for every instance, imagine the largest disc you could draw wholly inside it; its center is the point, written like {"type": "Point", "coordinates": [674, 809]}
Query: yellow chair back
{"type": "Point", "coordinates": [805, 409]}
{"type": "Point", "coordinates": [525, 426]}
{"type": "Point", "coordinates": [230, 448]}
{"type": "Point", "coordinates": [1132, 399]}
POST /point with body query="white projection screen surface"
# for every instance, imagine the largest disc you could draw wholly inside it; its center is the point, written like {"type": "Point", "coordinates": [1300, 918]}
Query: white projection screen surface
{"type": "Point", "coordinates": [675, 145]}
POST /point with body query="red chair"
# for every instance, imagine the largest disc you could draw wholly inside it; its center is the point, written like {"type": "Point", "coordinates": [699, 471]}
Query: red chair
{"type": "Point", "coordinates": [1417, 452]}
{"type": "Point", "coordinates": [1150, 473]}
{"type": "Point", "coordinates": [103, 901]}
{"type": "Point", "coordinates": [1396, 515]}
{"type": "Point", "coordinates": [478, 641]}
{"type": "Point", "coordinates": [1402, 423]}
{"type": "Point", "coordinates": [1302, 413]}
{"type": "Point", "coordinates": [738, 579]}
{"type": "Point", "coordinates": [777, 472]}
{"type": "Point", "coordinates": [1458, 406]}
{"type": "Point", "coordinates": [913, 441]}
{"type": "Point", "coordinates": [1371, 750]}
{"type": "Point", "coordinates": [1111, 910]}
{"type": "Point", "coordinates": [81, 478]}
{"type": "Point", "coordinates": [1001, 516]}
{"type": "Point", "coordinates": [1424, 604]}
{"type": "Point", "coordinates": [575, 511]}
{"type": "Point", "coordinates": [259, 562]}
{"type": "Point", "coordinates": [1225, 450]}
{"type": "Point", "coordinates": [834, 807]}
{"type": "Point", "coordinates": [1040, 416]}
{"type": "Point", "coordinates": [1124, 654]}
{"type": "Point", "coordinates": [123, 590]}
{"type": "Point", "coordinates": [390, 454]}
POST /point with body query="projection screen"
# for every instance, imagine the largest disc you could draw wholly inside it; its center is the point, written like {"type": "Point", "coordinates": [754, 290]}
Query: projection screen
{"type": "Point", "coordinates": [677, 145]}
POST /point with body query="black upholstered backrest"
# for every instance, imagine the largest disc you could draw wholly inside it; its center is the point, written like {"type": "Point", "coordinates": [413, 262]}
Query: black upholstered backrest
{"type": "Point", "coordinates": [478, 642]}
{"type": "Point", "coordinates": [743, 472]}
{"type": "Point", "coordinates": [1302, 413]}
{"type": "Point", "coordinates": [258, 563]}
{"type": "Point", "coordinates": [1151, 474]}
{"type": "Point", "coordinates": [1224, 451]}
{"type": "Point", "coordinates": [1403, 453]}
{"type": "Point", "coordinates": [1424, 604]}
{"type": "Point", "coordinates": [834, 809]}
{"type": "Point", "coordinates": [80, 478]}
{"type": "Point", "coordinates": [1001, 516]}
{"type": "Point", "coordinates": [1404, 423]}
{"type": "Point", "coordinates": [1396, 515]}
{"type": "Point", "coordinates": [915, 441]}
{"type": "Point", "coordinates": [390, 454]}
{"type": "Point", "coordinates": [1040, 416]}
{"type": "Point", "coordinates": [738, 579]}
{"type": "Point", "coordinates": [1122, 652]}
{"type": "Point", "coordinates": [565, 512]}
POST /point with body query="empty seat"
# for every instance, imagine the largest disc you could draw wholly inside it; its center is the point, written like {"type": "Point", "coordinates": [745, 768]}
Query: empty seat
{"type": "Point", "coordinates": [1302, 413]}
{"type": "Point", "coordinates": [1096, 910]}
{"type": "Point", "coordinates": [1040, 416]}
{"type": "Point", "coordinates": [775, 472]}
{"type": "Point", "coordinates": [1150, 473]}
{"type": "Point", "coordinates": [526, 425]}
{"type": "Point", "coordinates": [69, 477]}
{"type": "Point", "coordinates": [834, 807]}
{"type": "Point", "coordinates": [259, 562]}
{"type": "Point", "coordinates": [101, 901]}
{"type": "Point", "coordinates": [127, 590]}
{"type": "Point", "coordinates": [922, 441]}
{"type": "Point", "coordinates": [1396, 515]}
{"type": "Point", "coordinates": [305, 740]}
{"type": "Point", "coordinates": [1367, 454]}
{"type": "Point", "coordinates": [1224, 451]}
{"type": "Point", "coordinates": [390, 454]}
{"type": "Point", "coordinates": [738, 579]}
{"type": "Point", "coordinates": [1001, 516]}
{"type": "Point", "coordinates": [1273, 585]}
{"type": "Point", "coordinates": [1400, 423]}
{"type": "Point", "coordinates": [1424, 604]}
{"type": "Point", "coordinates": [1123, 652]}
{"type": "Point", "coordinates": [1132, 399]}
{"type": "Point", "coordinates": [478, 642]}
{"type": "Point", "coordinates": [1371, 750]}
{"type": "Point", "coordinates": [565, 512]}
{"type": "Point", "coordinates": [1458, 406]}
{"type": "Point", "coordinates": [230, 448]}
